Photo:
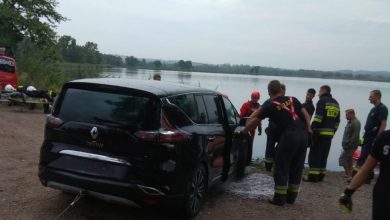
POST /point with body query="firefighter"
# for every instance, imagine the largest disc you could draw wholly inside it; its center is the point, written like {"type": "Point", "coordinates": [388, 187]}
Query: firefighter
{"type": "Point", "coordinates": [308, 104]}
{"type": "Point", "coordinates": [273, 136]}
{"type": "Point", "coordinates": [381, 194]}
{"type": "Point", "coordinates": [325, 124]}
{"type": "Point", "coordinates": [246, 110]}
{"type": "Point", "coordinates": [375, 124]}
{"type": "Point", "coordinates": [294, 123]}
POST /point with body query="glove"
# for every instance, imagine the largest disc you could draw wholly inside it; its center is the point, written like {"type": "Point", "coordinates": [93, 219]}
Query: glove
{"type": "Point", "coordinates": [345, 200]}
{"type": "Point", "coordinates": [259, 131]}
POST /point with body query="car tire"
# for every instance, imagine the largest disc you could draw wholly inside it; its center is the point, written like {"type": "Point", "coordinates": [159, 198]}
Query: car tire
{"type": "Point", "coordinates": [196, 189]}
{"type": "Point", "coordinates": [242, 159]}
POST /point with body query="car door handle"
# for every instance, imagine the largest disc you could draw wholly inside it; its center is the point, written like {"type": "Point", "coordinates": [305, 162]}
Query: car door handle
{"type": "Point", "coordinates": [211, 139]}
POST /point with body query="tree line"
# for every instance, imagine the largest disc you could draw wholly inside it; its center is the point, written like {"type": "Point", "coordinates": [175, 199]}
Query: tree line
{"type": "Point", "coordinates": [47, 61]}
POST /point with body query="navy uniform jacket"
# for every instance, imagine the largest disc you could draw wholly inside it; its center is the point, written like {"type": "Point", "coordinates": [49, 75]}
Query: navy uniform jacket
{"type": "Point", "coordinates": [327, 116]}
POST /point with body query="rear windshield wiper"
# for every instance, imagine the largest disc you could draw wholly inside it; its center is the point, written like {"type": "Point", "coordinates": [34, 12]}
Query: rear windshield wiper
{"type": "Point", "coordinates": [111, 122]}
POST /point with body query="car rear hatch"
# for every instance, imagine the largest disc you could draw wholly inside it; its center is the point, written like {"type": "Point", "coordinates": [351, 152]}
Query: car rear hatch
{"type": "Point", "coordinates": [92, 132]}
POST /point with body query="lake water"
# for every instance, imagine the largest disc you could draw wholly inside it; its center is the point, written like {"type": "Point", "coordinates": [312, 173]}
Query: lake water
{"type": "Point", "coordinates": [349, 94]}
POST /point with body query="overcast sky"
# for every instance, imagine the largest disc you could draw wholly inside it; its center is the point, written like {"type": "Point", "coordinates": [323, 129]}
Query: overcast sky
{"type": "Point", "coordinates": [307, 34]}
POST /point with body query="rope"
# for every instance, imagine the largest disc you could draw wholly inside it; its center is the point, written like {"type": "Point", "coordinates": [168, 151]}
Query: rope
{"type": "Point", "coordinates": [75, 200]}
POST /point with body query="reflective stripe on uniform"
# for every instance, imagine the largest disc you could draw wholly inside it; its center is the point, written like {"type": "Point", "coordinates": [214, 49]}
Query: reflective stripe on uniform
{"type": "Point", "coordinates": [291, 110]}
{"type": "Point", "coordinates": [327, 133]}
{"type": "Point", "coordinates": [314, 172]}
{"type": "Point", "coordinates": [281, 191]}
{"type": "Point", "coordinates": [361, 140]}
{"type": "Point", "coordinates": [332, 110]}
{"type": "Point", "coordinates": [293, 188]}
{"type": "Point", "coordinates": [318, 118]}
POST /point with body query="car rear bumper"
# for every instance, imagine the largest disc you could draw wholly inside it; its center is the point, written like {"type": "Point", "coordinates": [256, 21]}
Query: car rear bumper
{"type": "Point", "coordinates": [109, 190]}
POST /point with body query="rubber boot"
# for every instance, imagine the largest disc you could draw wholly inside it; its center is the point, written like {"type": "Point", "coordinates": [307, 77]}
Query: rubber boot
{"type": "Point", "coordinates": [291, 197]}
{"type": "Point", "coordinates": [321, 177]}
{"type": "Point", "coordinates": [278, 199]}
{"type": "Point", "coordinates": [312, 178]}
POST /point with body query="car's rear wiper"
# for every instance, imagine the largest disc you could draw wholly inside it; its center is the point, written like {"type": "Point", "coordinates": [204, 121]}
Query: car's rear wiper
{"type": "Point", "coordinates": [111, 122]}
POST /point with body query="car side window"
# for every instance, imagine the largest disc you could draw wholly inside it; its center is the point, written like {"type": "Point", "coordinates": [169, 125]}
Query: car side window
{"type": "Point", "coordinates": [202, 113]}
{"type": "Point", "coordinates": [212, 110]}
{"type": "Point", "coordinates": [187, 104]}
{"type": "Point", "coordinates": [230, 110]}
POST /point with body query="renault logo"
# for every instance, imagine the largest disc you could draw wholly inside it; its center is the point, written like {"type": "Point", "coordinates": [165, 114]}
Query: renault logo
{"type": "Point", "coordinates": [94, 132]}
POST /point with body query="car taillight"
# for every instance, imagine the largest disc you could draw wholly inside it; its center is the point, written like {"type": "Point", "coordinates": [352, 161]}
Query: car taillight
{"type": "Point", "coordinates": [167, 133]}
{"type": "Point", "coordinates": [162, 135]}
{"type": "Point", "coordinates": [172, 136]}
{"type": "Point", "coordinates": [53, 122]}
{"type": "Point", "coordinates": [147, 135]}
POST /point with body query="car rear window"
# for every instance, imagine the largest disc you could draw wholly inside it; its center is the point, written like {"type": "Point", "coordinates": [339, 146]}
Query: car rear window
{"type": "Point", "coordinates": [212, 109]}
{"type": "Point", "coordinates": [100, 107]}
{"type": "Point", "coordinates": [187, 104]}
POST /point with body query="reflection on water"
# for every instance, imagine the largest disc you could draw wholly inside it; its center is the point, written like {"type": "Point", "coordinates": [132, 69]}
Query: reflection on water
{"type": "Point", "coordinates": [184, 76]}
{"type": "Point", "coordinates": [349, 94]}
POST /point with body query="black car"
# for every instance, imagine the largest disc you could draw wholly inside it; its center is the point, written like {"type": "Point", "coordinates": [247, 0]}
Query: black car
{"type": "Point", "coordinates": [144, 142]}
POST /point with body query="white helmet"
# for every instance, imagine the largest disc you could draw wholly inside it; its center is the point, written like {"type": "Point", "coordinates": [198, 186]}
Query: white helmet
{"type": "Point", "coordinates": [31, 88]}
{"type": "Point", "coordinates": [9, 88]}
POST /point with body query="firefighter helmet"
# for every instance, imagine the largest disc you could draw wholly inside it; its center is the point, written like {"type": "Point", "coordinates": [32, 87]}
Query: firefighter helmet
{"type": "Point", "coordinates": [9, 88]}
{"type": "Point", "coordinates": [255, 95]}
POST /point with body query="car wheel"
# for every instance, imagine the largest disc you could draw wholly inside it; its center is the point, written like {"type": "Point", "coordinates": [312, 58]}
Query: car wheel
{"type": "Point", "coordinates": [195, 191]}
{"type": "Point", "coordinates": [242, 159]}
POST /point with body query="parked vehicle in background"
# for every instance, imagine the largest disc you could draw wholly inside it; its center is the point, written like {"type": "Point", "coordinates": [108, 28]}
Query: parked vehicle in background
{"type": "Point", "coordinates": [8, 70]}
{"type": "Point", "coordinates": [147, 142]}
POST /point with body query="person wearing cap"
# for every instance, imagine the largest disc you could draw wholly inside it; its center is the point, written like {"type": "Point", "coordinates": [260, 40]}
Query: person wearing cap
{"type": "Point", "coordinates": [246, 110]}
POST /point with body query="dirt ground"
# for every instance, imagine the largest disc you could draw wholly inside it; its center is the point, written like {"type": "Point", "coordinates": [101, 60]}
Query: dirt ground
{"type": "Point", "coordinates": [23, 197]}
